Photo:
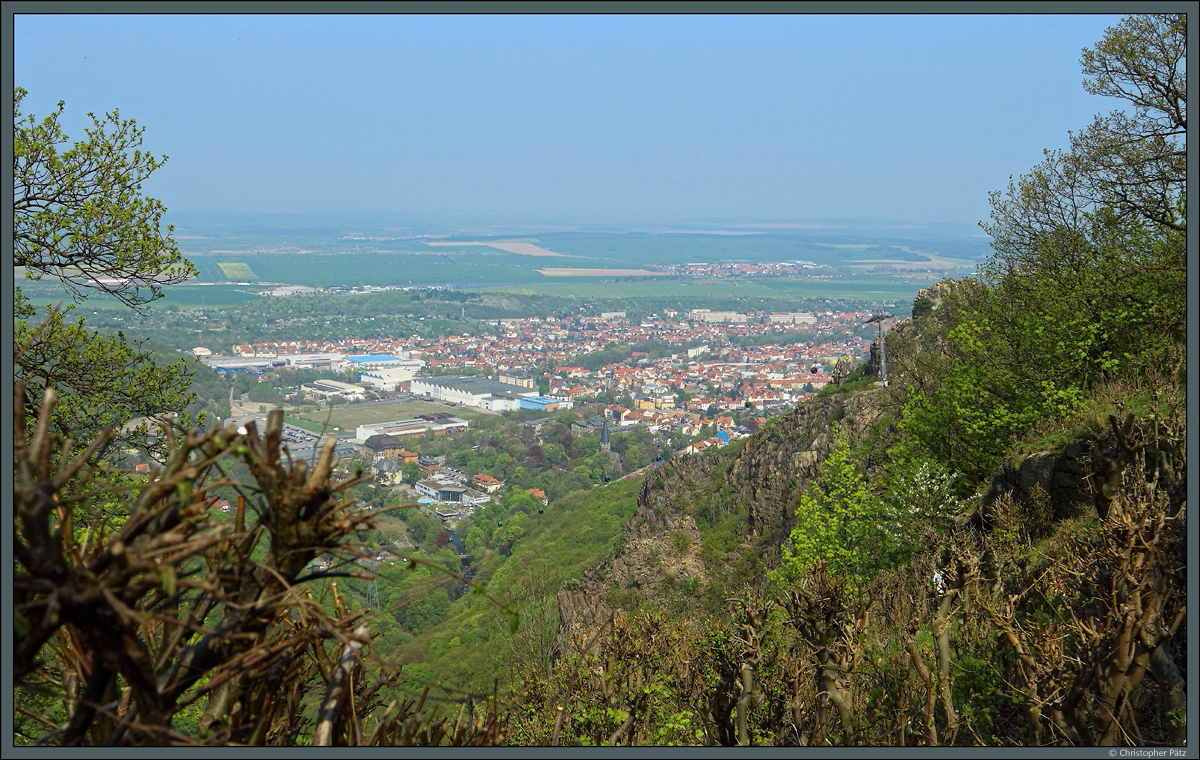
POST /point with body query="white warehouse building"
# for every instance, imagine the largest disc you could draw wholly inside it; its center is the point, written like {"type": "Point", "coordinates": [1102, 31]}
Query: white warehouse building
{"type": "Point", "coordinates": [381, 361]}
{"type": "Point", "coordinates": [384, 371]}
{"type": "Point", "coordinates": [334, 388]}
{"type": "Point", "coordinates": [385, 379]}
{"type": "Point", "coordinates": [472, 391]}
{"type": "Point", "coordinates": [438, 423]}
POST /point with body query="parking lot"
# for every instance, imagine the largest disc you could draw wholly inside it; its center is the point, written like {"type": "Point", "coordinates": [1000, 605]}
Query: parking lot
{"type": "Point", "coordinates": [293, 434]}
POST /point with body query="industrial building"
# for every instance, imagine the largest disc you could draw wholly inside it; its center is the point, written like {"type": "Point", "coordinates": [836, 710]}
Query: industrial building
{"type": "Point", "coordinates": [384, 371]}
{"type": "Point", "coordinates": [472, 391]}
{"type": "Point", "coordinates": [380, 361]}
{"type": "Point", "coordinates": [438, 423]}
{"type": "Point", "coordinates": [542, 403]}
{"type": "Point", "coordinates": [791, 318]}
{"type": "Point", "coordinates": [708, 315]}
{"type": "Point", "coordinates": [325, 361]}
{"type": "Point", "coordinates": [334, 388]}
{"type": "Point", "coordinates": [237, 364]}
{"type": "Point", "coordinates": [263, 362]}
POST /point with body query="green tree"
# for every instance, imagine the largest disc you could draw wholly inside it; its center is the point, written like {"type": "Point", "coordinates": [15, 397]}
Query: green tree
{"type": "Point", "coordinates": [102, 380]}
{"type": "Point", "coordinates": [505, 465]}
{"type": "Point", "coordinates": [554, 453]}
{"type": "Point", "coordinates": [513, 527]}
{"type": "Point", "coordinates": [411, 472]}
{"type": "Point", "coordinates": [474, 542]}
{"type": "Point", "coordinates": [80, 216]}
{"type": "Point", "coordinates": [1112, 207]}
{"type": "Point", "coordinates": [427, 610]}
{"type": "Point", "coordinates": [520, 501]}
{"type": "Point", "coordinates": [839, 521]}
{"type": "Point", "coordinates": [421, 527]}
{"type": "Point", "coordinates": [1138, 162]}
{"type": "Point", "coordinates": [1087, 282]}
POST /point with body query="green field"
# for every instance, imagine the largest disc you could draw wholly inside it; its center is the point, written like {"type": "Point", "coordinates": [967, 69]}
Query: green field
{"type": "Point", "coordinates": [179, 296]}
{"type": "Point", "coordinates": [863, 287]}
{"type": "Point", "coordinates": [449, 266]}
{"type": "Point", "coordinates": [869, 288]}
{"type": "Point", "coordinates": [347, 263]}
{"type": "Point", "coordinates": [49, 291]}
{"type": "Point", "coordinates": [866, 287]}
{"type": "Point", "coordinates": [409, 262]}
{"type": "Point", "coordinates": [647, 248]}
{"type": "Point", "coordinates": [832, 247]}
{"type": "Point", "coordinates": [350, 417]}
{"type": "Point", "coordinates": [193, 296]}
{"type": "Point", "coordinates": [236, 270]}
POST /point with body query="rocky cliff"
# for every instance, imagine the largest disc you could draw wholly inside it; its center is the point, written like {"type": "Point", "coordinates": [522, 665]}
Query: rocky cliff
{"type": "Point", "coordinates": [759, 477]}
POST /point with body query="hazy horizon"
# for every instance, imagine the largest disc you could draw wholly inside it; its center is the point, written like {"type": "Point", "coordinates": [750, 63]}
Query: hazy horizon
{"type": "Point", "coordinates": [500, 224]}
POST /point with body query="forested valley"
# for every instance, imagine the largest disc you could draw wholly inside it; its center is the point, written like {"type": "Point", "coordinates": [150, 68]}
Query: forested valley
{"type": "Point", "coordinates": [984, 547]}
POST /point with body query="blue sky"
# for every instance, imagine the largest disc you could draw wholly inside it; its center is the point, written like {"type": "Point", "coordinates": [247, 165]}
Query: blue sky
{"type": "Point", "coordinates": [576, 118]}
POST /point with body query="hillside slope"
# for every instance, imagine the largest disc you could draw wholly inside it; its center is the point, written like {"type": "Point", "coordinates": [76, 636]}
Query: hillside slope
{"type": "Point", "coordinates": [1035, 569]}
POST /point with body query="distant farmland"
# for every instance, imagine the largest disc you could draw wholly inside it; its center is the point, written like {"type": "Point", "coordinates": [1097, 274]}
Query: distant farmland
{"type": "Point", "coordinates": [237, 270]}
{"type": "Point", "coordinates": [574, 272]}
{"type": "Point", "coordinates": [523, 249]}
{"type": "Point", "coordinates": [349, 269]}
{"type": "Point", "coordinates": [516, 262]}
{"type": "Point", "coordinates": [180, 296]}
{"type": "Point", "coordinates": [506, 272]}
{"type": "Point", "coordinates": [864, 287]}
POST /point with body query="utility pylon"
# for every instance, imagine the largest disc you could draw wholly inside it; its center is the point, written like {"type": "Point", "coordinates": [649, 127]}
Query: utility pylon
{"type": "Point", "coordinates": [877, 317]}
{"type": "Point", "coordinates": [373, 589]}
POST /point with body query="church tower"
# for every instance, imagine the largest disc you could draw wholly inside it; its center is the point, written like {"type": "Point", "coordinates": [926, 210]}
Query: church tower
{"type": "Point", "coordinates": [604, 436]}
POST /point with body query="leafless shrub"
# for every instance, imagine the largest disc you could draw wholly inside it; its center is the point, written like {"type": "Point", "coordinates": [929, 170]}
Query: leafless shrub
{"type": "Point", "coordinates": [158, 607]}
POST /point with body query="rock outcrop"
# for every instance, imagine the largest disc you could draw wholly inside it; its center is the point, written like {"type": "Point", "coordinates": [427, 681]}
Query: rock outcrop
{"type": "Point", "coordinates": [763, 475]}
{"type": "Point", "coordinates": [787, 455]}
{"type": "Point", "coordinates": [648, 549]}
{"type": "Point", "coordinates": [1060, 476]}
